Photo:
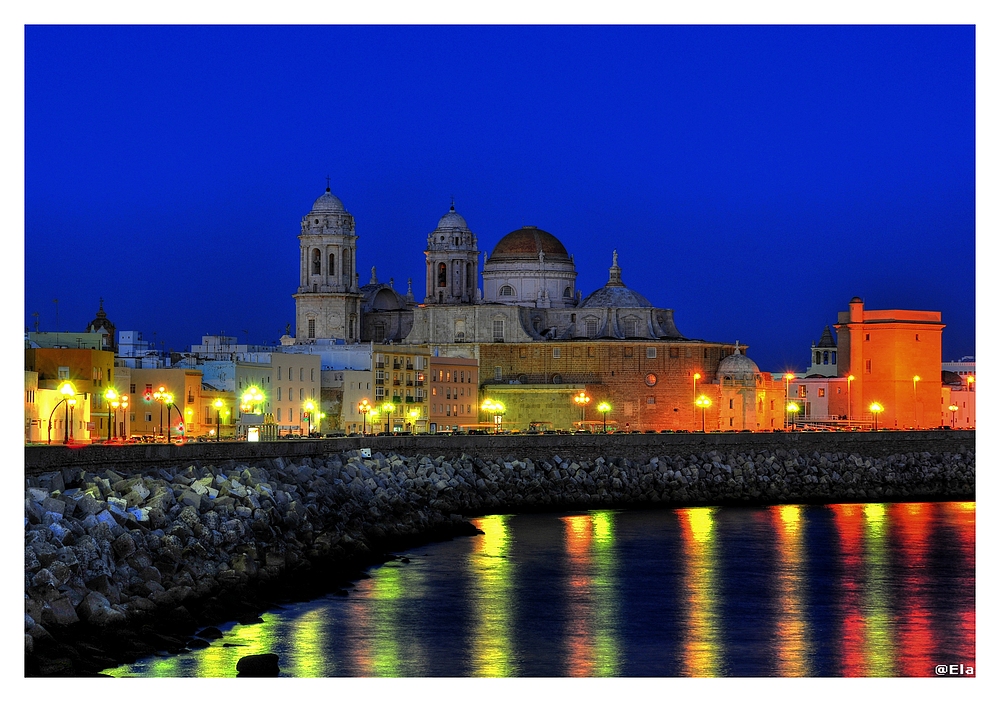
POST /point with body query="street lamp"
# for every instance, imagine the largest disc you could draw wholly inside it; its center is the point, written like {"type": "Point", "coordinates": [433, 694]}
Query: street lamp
{"type": "Point", "coordinates": [604, 408]}
{"type": "Point", "coordinates": [970, 379]}
{"type": "Point", "coordinates": [788, 377]}
{"type": "Point", "coordinates": [251, 400]}
{"type": "Point", "coordinates": [875, 409]}
{"type": "Point", "coordinates": [160, 396]}
{"type": "Point", "coordinates": [497, 409]}
{"type": "Point", "coordinates": [309, 406]}
{"type": "Point", "coordinates": [72, 406]}
{"type": "Point", "coordinates": [112, 397]}
{"type": "Point", "coordinates": [69, 393]}
{"type": "Point", "coordinates": [793, 408]}
{"type": "Point", "coordinates": [364, 408]}
{"type": "Point", "coordinates": [414, 413]}
{"type": "Point", "coordinates": [388, 408]}
{"type": "Point", "coordinates": [694, 386]}
{"type": "Point", "coordinates": [218, 418]}
{"type": "Point", "coordinates": [704, 403]}
{"type": "Point", "coordinates": [916, 421]}
{"type": "Point", "coordinates": [850, 379]}
{"type": "Point", "coordinates": [167, 399]}
{"type": "Point", "coordinates": [122, 403]}
{"type": "Point", "coordinates": [954, 409]}
{"type": "Point", "coordinates": [582, 399]}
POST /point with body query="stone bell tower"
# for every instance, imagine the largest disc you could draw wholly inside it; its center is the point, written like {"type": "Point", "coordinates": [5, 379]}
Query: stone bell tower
{"type": "Point", "coordinates": [452, 262]}
{"type": "Point", "coordinates": [327, 302]}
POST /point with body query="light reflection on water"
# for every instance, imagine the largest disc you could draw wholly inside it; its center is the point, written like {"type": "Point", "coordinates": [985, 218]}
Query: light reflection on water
{"type": "Point", "coordinates": [841, 590]}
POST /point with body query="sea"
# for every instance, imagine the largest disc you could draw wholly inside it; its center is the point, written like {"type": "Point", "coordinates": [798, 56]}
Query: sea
{"type": "Point", "coordinates": [842, 590]}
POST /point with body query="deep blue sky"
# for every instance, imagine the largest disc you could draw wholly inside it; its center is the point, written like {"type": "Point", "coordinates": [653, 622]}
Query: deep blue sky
{"type": "Point", "coordinates": [752, 178]}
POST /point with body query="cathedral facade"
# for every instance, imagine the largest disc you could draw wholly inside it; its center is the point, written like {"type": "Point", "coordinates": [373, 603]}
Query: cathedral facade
{"type": "Point", "coordinates": [536, 337]}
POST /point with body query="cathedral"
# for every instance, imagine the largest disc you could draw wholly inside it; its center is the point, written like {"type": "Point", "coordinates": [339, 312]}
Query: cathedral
{"type": "Point", "coordinates": [538, 339]}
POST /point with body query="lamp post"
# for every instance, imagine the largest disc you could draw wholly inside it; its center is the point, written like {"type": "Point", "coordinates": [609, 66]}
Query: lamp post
{"type": "Point", "coordinates": [916, 421]}
{"type": "Point", "coordinates": [788, 377]}
{"type": "Point", "coordinates": [113, 415]}
{"type": "Point", "coordinates": [694, 387]}
{"type": "Point", "coordinates": [875, 409]}
{"type": "Point", "coordinates": [582, 399]}
{"type": "Point", "coordinates": [850, 379]}
{"type": "Point", "coordinates": [388, 408]}
{"type": "Point", "coordinates": [68, 392]}
{"type": "Point", "coordinates": [364, 408]}
{"type": "Point", "coordinates": [704, 403]}
{"type": "Point", "coordinates": [72, 406]}
{"type": "Point", "coordinates": [954, 409]}
{"type": "Point", "coordinates": [218, 418]}
{"type": "Point", "coordinates": [159, 396]}
{"type": "Point", "coordinates": [112, 397]}
{"type": "Point", "coordinates": [604, 408]}
{"type": "Point", "coordinates": [309, 406]}
{"type": "Point", "coordinates": [496, 409]}
{"type": "Point", "coordinates": [167, 399]}
{"type": "Point", "coordinates": [414, 413]}
{"type": "Point", "coordinates": [792, 408]}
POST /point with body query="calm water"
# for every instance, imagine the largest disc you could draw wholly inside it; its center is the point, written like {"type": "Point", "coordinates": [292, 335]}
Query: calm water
{"type": "Point", "coordinates": [837, 590]}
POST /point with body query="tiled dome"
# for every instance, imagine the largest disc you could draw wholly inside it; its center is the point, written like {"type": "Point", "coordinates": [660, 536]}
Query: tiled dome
{"type": "Point", "coordinates": [527, 243]}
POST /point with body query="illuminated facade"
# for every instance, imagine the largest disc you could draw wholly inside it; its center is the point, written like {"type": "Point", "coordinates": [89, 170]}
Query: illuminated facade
{"type": "Point", "coordinates": [91, 372]}
{"type": "Point", "coordinates": [454, 392]}
{"type": "Point", "coordinates": [895, 358]}
{"type": "Point", "coordinates": [399, 377]}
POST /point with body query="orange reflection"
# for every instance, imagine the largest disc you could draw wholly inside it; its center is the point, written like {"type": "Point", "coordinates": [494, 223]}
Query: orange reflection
{"type": "Point", "coordinates": [850, 528]}
{"type": "Point", "coordinates": [914, 523]}
{"type": "Point", "coordinates": [701, 658]}
{"type": "Point", "coordinates": [579, 634]}
{"type": "Point", "coordinates": [960, 518]}
{"type": "Point", "coordinates": [792, 631]}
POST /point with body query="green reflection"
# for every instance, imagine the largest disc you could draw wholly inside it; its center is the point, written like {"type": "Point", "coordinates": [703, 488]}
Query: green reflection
{"type": "Point", "coordinates": [308, 650]}
{"type": "Point", "coordinates": [792, 627]}
{"type": "Point", "coordinates": [607, 646]}
{"type": "Point", "coordinates": [878, 620]}
{"type": "Point", "coordinates": [701, 636]}
{"type": "Point", "coordinates": [385, 593]}
{"type": "Point", "coordinates": [491, 649]}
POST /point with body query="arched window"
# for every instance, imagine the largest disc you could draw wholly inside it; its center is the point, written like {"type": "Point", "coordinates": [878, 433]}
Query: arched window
{"type": "Point", "coordinates": [333, 264]}
{"type": "Point", "coordinates": [826, 358]}
{"type": "Point", "coordinates": [316, 261]}
{"type": "Point", "coordinates": [591, 328]}
{"type": "Point", "coordinates": [506, 291]}
{"type": "Point", "coordinates": [567, 293]}
{"type": "Point", "coordinates": [442, 275]}
{"type": "Point", "coordinates": [817, 358]}
{"type": "Point", "coordinates": [833, 357]}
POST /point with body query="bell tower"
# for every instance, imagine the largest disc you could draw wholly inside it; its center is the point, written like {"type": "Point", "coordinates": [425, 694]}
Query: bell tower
{"type": "Point", "coordinates": [327, 302]}
{"type": "Point", "coordinates": [452, 262]}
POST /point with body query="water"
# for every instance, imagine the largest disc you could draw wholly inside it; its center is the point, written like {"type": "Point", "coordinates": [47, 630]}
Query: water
{"type": "Point", "coordinates": [839, 590]}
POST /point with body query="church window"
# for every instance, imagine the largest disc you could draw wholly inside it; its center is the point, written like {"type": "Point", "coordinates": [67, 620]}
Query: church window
{"type": "Point", "coordinates": [442, 275]}
{"type": "Point", "coordinates": [631, 328]}
{"type": "Point", "coordinates": [833, 357]}
{"type": "Point", "coordinates": [379, 331]}
{"type": "Point", "coordinates": [333, 264]}
{"type": "Point", "coordinates": [347, 267]}
{"type": "Point", "coordinates": [316, 261]}
{"type": "Point", "coordinates": [567, 293]}
{"type": "Point", "coordinates": [312, 328]}
{"type": "Point", "coordinates": [591, 328]}
{"type": "Point", "coordinates": [817, 358]}
{"type": "Point", "coordinates": [497, 330]}
{"type": "Point", "coordinates": [506, 291]}
{"type": "Point", "coordinates": [650, 352]}
{"type": "Point", "coordinates": [826, 358]}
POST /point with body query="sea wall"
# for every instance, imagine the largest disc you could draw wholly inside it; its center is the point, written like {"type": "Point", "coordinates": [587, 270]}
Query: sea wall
{"type": "Point", "coordinates": [124, 563]}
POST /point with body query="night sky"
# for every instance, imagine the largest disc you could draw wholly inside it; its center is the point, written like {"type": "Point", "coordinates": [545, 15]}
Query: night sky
{"type": "Point", "coordinates": [752, 178]}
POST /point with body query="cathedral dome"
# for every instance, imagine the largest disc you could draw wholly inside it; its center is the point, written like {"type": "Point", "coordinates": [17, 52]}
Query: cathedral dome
{"type": "Point", "coordinates": [737, 367]}
{"type": "Point", "coordinates": [615, 296]}
{"type": "Point", "coordinates": [327, 202]}
{"type": "Point", "coordinates": [527, 243]}
{"type": "Point", "coordinates": [452, 220]}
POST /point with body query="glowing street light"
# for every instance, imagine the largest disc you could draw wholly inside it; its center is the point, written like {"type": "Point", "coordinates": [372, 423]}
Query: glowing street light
{"type": "Point", "coordinates": [850, 379]}
{"type": "Point", "coordinates": [704, 403]}
{"type": "Point", "coordinates": [309, 407]}
{"type": "Point", "coordinates": [788, 377]}
{"type": "Point", "coordinates": [582, 399]}
{"type": "Point", "coordinates": [69, 395]}
{"type": "Point", "coordinates": [388, 408]}
{"type": "Point", "coordinates": [122, 403]}
{"type": "Point", "coordinates": [954, 409]}
{"type": "Point", "coordinates": [497, 409]}
{"type": "Point", "coordinates": [970, 379]}
{"type": "Point", "coordinates": [72, 406]}
{"type": "Point", "coordinates": [160, 396]}
{"type": "Point", "coordinates": [112, 397]}
{"type": "Point", "coordinates": [875, 408]}
{"type": "Point", "coordinates": [694, 386]}
{"type": "Point", "coordinates": [916, 421]}
{"type": "Point", "coordinates": [604, 408]}
{"type": "Point", "coordinates": [414, 413]}
{"type": "Point", "coordinates": [251, 400]}
{"type": "Point", "coordinates": [218, 418]}
{"type": "Point", "coordinates": [364, 408]}
{"type": "Point", "coordinates": [792, 408]}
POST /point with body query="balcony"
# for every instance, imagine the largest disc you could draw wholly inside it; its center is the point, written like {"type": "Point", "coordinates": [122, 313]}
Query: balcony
{"type": "Point", "coordinates": [409, 366]}
{"type": "Point", "coordinates": [380, 365]}
{"type": "Point", "coordinates": [395, 382]}
{"type": "Point", "coordinates": [419, 383]}
{"type": "Point", "coordinates": [409, 398]}
{"type": "Point", "coordinates": [409, 383]}
{"type": "Point", "coordinates": [396, 366]}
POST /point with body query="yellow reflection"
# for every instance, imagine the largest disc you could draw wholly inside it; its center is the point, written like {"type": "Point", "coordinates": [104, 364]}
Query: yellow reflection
{"type": "Point", "coordinates": [793, 635]}
{"type": "Point", "coordinates": [607, 647]}
{"type": "Point", "coordinates": [879, 635]}
{"type": "Point", "coordinates": [701, 635]}
{"type": "Point", "coordinates": [308, 651]}
{"type": "Point", "coordinates": [386, 589]}
{"type": "Point", "coordinates": [219, 661]}
{"type": "Point", "coordinates": [491, 648]}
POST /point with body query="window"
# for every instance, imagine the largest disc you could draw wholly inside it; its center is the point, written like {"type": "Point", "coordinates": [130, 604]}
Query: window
{"type": "Point", "coordinates": [802, 391]}
{"type": "Point", "coordinates": [277, 416]}
{"type": "Point", "coordinates": [591, 328]}
{"type": "Point", "coordinates": [332, 268]}
{"type": "Point", "coordinates": [917, 337]}
{"type": "Point", "coordinates": [817, 358]}
{"type": "Point", "coordinates": [312, 329]}
{"type": "Point", "coordinates": [730, 404]}
{"type": "Point", "coordinates": [868, 337]}
{"type": "Point", "coordinates": [497, 373]}
{"type": "Point", "coordinates": [131, 388]}
{"type": "Point", "coordinates": [650, 399]}
{"type": "Point", "coordinates": [302, 374]}
{"type": "Point", "coordinates": [497, 330]}
{"type": "Point", "coordinates": [64, 373]}
{"type": "Point", "coordinates": [149, 416]}
{"type": "Point", "coordinates": [312, 374]}
{"type": "Point", "coordinates": [567, 293]}
{"type": "Point", "coordinates": [821, 392]}
{"type": "Point", "coordinates": [631, 328]}
{"type": "Point", "coordinates": [316, 261]}
{"type": "Point", "coordinates": [868, 365]}
{"type": "Point", "coordinates": [674, 352]}
{"type": "Point", "coordinates": [556, 353]}
{"type": "Point", "coordinates": [628, 351]}
{"type": "Point", "coordinates": [833, 357]}
{"type": "Point", "coordinates": [434, 391]}
{"type": "Point", "coordinates": [447, 376]}
{"type": "Point", "coordinates": [826, 358]}
{"type": "Point", "coordinates": [590, 352]}
{"type": "Point", "coordinates": [650, 352]}
{"type": "Point", "coordinates": [442, 275]}
{"type": "Point", "coordinates": [650, 379]}
{"type": "Point", "coordinates": [279, 372]}
{"type": "Point", "coordinates": [506, 291]}
{"type": "Point", "coordinates": [278, 398]}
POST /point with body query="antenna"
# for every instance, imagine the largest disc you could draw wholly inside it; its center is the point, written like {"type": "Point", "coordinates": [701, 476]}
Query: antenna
{"type": "Point", "coordinates": [57, 313]}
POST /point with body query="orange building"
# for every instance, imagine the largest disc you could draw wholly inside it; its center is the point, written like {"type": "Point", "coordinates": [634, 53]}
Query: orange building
{"type": "Point", "coordinates": [90, 371]}
{"type": "Point", "coordinates": [895, 358]}
{"type": "Point", "coordinates": [454, 388]}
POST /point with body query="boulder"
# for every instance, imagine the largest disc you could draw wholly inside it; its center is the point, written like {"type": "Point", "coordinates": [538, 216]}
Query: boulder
{"type": "Point", "coordinates": [96, 609]}
{"type": "Point", "coordinates": [261, 665]}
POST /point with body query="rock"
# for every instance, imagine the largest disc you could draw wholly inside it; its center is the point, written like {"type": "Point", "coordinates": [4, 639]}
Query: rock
{"type": "Point", "coordinates": [96, 609]}
{"type": "Point", "coordinates": [261, 665]}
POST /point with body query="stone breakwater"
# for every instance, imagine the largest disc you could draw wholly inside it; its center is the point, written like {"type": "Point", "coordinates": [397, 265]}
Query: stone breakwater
{"type": "Point", "coordinates": [123, 565]}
